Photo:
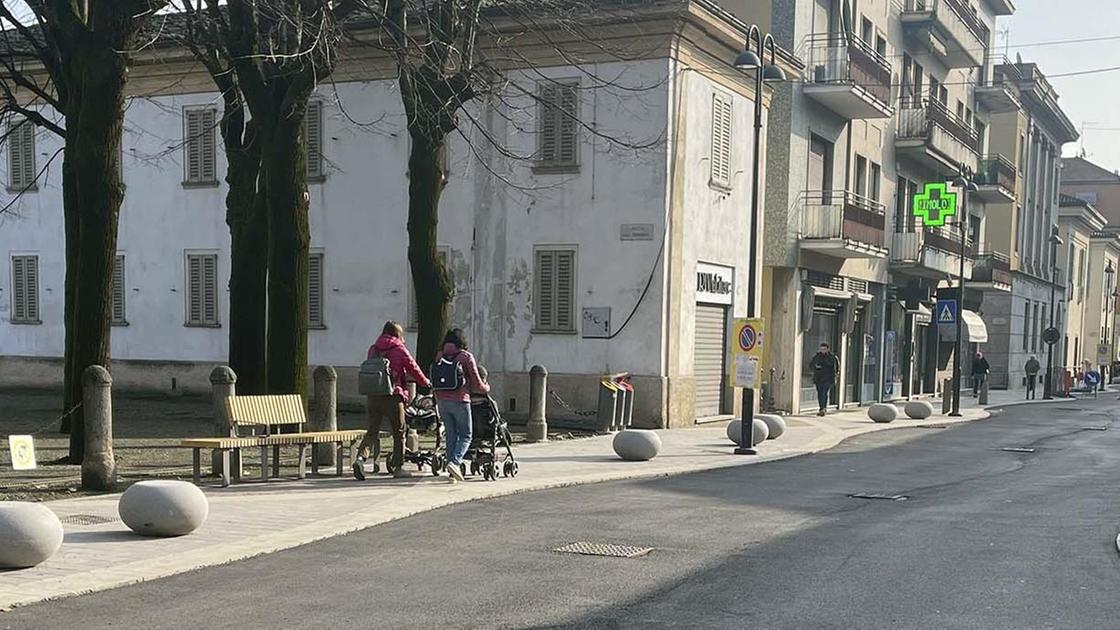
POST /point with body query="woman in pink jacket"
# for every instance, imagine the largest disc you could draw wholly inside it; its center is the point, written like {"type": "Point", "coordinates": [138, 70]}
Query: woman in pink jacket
{"type": "Point", "coordinates": [455, 376]}
{"type": "Point", "coordinates": [402, 368]}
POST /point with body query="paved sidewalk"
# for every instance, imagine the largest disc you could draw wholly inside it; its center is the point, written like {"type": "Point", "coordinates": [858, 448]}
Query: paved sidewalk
{"type": "Point", "coordinates": [255, 518]}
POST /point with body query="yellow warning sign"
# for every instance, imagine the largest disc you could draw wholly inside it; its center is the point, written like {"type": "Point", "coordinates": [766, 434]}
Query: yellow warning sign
{"type": "Point", "coordinates": [23, 452]}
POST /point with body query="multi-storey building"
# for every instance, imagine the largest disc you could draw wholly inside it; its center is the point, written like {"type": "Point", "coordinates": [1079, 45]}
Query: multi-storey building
{"type": "Point", "coordinates": [893, 97]}
{"type": "Point", "coordinates": [589, 257]}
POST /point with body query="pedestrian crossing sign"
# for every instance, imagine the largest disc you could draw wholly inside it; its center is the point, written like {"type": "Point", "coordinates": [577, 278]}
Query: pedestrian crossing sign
{"type": "Point", "coordinates": [947, 312]}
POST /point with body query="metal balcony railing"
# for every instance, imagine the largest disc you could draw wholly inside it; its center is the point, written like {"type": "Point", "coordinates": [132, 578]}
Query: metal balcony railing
{"type": "Point", "coordinates": [996, 170]}
{"type": "Point", "coordinates": [844, 215]}
{"type": "Point", "coordinates": [834, 58]}
{"type": "Point", "coordinates": [918, 120]}
{"type": "Point", "coordinates": [957, 10]}
{"type": "Point", "coordinates": [994, 267]}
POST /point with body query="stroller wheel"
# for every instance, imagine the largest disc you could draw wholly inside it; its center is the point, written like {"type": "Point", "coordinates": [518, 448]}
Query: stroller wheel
{"type": "Point", "coordinates": [437, 465]}
{"type": "Point", "coordinates": [509, 469]}
{"type": "Point", "coordinates": [474, 468]}
{"type": "Point", "coordinates": [488, 472]}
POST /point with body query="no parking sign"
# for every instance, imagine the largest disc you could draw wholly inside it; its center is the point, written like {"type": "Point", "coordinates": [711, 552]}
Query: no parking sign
{"type": "Point", "coordinates": [745, 350]}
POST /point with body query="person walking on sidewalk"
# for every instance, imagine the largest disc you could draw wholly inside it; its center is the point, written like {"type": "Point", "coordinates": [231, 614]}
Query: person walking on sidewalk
{"type": "Point", "coordinates": [825, 369]}
{"type": "Point", "coordinates": [1031, 368]}
{"type": "Point", "coordinates": [379, 409]}
{"type": "Point", "coordinates": [454, 377]}
{"type": "Point", "coordinates": [980, 370]}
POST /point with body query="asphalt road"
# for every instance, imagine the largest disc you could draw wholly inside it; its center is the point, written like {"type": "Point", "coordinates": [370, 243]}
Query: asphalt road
{"type": "Point", "coordinates": [987, 539]}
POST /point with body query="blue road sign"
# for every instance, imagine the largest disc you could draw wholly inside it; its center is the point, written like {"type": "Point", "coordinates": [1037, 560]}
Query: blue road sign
{"type": "Point", "coordinates": [946, 312]}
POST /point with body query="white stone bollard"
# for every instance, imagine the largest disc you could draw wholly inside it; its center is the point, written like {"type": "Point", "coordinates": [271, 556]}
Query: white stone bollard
{"type": "Point", "coordinates": [537, 429]}
{"type": "Point", "coordinates": [99, 469]}
{"type": "Point", "coordinates": [775, 425]}
{"type": "Point", "coordinates": [163, 508]}
{"type": "Point", "coordinates": [759, 435]}
{"type": "Point", "coordinates": [918, 409]}
{"type": "Point", "coordinates": [29, 534]}
{"type": "Point", "coordinates": [882, 413]}
{"type": "Point", "coordinates": [636, 445]}
{"type": "Point", "coordinates": [324, 416]}
{"type": "Point", "coordinates": [223, 384]}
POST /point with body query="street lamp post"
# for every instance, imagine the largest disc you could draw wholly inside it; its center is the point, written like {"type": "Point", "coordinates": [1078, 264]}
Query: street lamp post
{"type": "Point", "coordinates": [1048, 386]}
{"type": "Point", "coordinates": [964, 181]}
{"type": "Point", "coordinates": [764, 73]}
{"type": "Point", "coordinates": [1106, 337]}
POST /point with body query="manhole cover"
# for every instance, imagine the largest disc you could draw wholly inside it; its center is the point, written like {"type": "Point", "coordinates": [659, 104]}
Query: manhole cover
{"type": "Point", "coordinates": [603, 549]}
{"type": "Point", "coordinates": [878, 496]}
{"type": "Point", "coordinates": [87, 519]}
{"type": "Point", "coordinates": [1017, 449]}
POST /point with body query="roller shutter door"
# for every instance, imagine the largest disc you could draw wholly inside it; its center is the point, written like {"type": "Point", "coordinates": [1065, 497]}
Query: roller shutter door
{"type": "Point", "coordinates": [707, 360]}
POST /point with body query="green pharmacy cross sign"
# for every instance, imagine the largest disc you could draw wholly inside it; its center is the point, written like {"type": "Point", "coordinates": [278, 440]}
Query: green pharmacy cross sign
{"type": "Point", "coordinates": [935, 204]}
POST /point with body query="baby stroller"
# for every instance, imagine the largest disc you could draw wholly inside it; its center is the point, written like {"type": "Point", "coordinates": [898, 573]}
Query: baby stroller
{"type": "Point", "coordinates": [421, 416]}
{"type": "Point", "coordinates": [489, 433]}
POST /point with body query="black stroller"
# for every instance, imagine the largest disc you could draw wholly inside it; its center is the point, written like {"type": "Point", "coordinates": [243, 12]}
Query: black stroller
{"type": "Point", "coordinates": [489, 433]}
{"type": "Point", "coordinates": [422, 416]}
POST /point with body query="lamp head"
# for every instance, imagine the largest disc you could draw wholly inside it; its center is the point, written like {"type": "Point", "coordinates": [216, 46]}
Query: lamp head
{"type": "Point", "coordinates": [773, 74]}
{"type": "Point", "coordinates": [747, 60]}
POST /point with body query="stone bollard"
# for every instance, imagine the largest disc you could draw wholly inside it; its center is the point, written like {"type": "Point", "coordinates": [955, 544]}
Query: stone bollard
{"type": "Point", "coordinates": [99, 469]}
{"type": "Point", "coordinates": [324, 416]}
{"type": "Point", "coordinates": [984, 392]}
{"type": "Point", "coordinates": [537, 429]}
{"type": "Point", "coordinates": [947, 396]}
{"type": "Point", "coordinates": [223, 384]}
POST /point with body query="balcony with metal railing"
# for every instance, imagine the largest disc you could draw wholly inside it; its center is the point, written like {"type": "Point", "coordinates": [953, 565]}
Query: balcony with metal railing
{"type": "Point", "coordinates": [843, 224]}
{"type": "Point", "coordinates": [996, 179]}
{"type": "Point", "coordinates": [930, 134]}
{"type": "Point", "coordinates": [932, 252]}
{"type": "Point", "coordinates": [848, 76]}
{"type": "Point", "coordinates": [996, 91]}
{"type": "Point", "coordinates": [991, 272]}
{"type": "Point", "coordinates": [949, 29]}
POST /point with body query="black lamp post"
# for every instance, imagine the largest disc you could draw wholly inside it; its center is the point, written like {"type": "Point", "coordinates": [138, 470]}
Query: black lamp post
{"type": "Point", "coordinates": [1106, 338]}
{"type": "Point", "coordinates": [964, 181]}
{"type": "Point", "coordinates": [763, 73]}
{"type": "Point", "coordinates": [1052, 333]}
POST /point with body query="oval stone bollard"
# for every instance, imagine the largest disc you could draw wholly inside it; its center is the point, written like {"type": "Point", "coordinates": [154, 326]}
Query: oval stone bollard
{"type": "Point", "coordinates": [99, 467]}
{"type": "Point", "coordinates": [537, 428]}
{"type": "Point", "coordinates": [324, 416]}
{"type": "Point", "coordinates": [163, 508]}
{"type": "Point", "coordinates": [918, 409]}
{"type": "Point", "coordinates": [637, 445]}
{"type": "Point", "coordinates": [775, 425]}
{"type": "Point", "coordinates": [761, 431]}
{"type": "Point", "coordinates": [29, 534]}
{"type": "Point", "coordinates": [882, 412]}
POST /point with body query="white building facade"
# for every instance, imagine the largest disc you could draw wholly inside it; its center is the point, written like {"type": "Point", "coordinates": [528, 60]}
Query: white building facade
{"type": "Point", "coordinates": [627, 253]}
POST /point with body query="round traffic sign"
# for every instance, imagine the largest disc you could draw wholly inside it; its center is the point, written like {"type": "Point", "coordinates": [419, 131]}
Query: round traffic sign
{"type": "Point", "coordinates": [1051, 335]}
{"type": "Point", "coordinates": [748, 337]}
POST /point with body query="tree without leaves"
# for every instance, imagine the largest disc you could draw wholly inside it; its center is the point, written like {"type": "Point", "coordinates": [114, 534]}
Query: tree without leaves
{"type": "Point", "coordinates": [74, 60]}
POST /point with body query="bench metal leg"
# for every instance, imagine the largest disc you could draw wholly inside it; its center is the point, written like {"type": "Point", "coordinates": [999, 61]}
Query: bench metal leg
{"type": "Point", "coordinates": [338, 460]}
{"type": "Point", "coordinates": [302, 474]}
{"type": "Point", "coordinates": [235, 462]}
{"type": "Point", "coordinates": [276, 461]}
{"type": "Point", "coordinates": [197, 466]}
{"type": "Point", "coordinates": [314, 462]}
{"type": "Point", "coordinates": [226, 473]}
{"type": "Point", "coordinates": [264, 463]}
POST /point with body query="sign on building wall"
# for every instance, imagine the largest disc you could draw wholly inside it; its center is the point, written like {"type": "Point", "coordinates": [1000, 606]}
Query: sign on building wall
{"type": "Point", "coordinates": [745, 349]}
{"type": "Point", "coordinates": [23, 452]}
{"type": "Point", "coordinates": [596, 323]}
{"type": "Point", "coordinates": [715, 284]}
{"type": "Point", "coordinates": [935, 204]}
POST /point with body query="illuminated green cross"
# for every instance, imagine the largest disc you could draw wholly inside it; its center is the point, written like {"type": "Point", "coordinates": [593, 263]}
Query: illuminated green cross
{"type": "Point", "coordinates": [935, 204]}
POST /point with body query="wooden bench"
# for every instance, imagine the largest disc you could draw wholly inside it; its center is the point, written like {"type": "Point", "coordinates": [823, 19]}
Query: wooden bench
{"type": "Point", "coordinates": [264, 414]}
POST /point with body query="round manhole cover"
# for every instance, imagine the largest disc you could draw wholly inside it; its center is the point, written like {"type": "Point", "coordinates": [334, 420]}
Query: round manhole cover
{"type": "Point", "coordinates": [87, 519]}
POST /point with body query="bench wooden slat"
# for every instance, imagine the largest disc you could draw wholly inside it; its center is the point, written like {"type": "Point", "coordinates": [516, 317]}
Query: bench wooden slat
{"type": "Point", "coordinates": [317, 437]}
{"type": "Point", "coordinates": [220, 442]}
{"type": "Point", "coordinates": [266, 410]}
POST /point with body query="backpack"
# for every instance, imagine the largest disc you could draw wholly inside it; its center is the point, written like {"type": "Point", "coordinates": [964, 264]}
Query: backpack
{"type": "Point", "coordinates": [375, 377]}
{"type": "Point", "coordinates": [448, 375]}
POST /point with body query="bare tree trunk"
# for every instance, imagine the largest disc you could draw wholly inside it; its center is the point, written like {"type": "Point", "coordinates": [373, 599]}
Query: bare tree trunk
{"type": "Point", "coordinates": [431, 282]}
{"type": "Point", "coordinates": [289, 239]}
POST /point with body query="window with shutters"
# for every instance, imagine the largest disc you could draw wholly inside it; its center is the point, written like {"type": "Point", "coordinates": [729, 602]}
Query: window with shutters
{"type": "Point", "coordinates": [413, 307]}
{"type": "Point", "coordinates": [21, 156]}
{"type": "Point", "coordinates": [315, 317]}
{"type": "Point", "coordinates": [25, 290]}
{"type": "Point", "coordinates": [721, 141]}
{"type": "Point", "coordinates": [558, 126]}
{"type": "Point", "coordinates": [313, 135]}
{"type": "Point", "coordinates": [202, 289]}
{"type": "Point", "coordinates": [200, 146]}
{"type": "Point", "coordinates": [117, 315]}
{"type": "Point", "coordinates": [554, 290]}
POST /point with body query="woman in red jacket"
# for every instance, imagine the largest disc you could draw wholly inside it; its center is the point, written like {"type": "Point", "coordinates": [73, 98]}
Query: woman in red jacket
{"type": "Point", "coordinates": [402, 368]}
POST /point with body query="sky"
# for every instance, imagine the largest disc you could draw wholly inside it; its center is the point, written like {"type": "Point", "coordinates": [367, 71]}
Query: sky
{"type": "Point", "coordinates": [1091, 100]}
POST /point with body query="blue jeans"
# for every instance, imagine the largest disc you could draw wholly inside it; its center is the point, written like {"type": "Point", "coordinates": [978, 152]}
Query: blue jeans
{"type": "Point", "coordinates": [456, 416]}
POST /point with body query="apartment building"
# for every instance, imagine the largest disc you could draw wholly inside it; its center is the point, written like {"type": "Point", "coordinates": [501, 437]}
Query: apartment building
{"type": "Point", "coordinates": [891, 99]}
{"type": "Point", "coordinates": [588, 257]}
{"type": "Point", "coordinates": [1092, 258]}
{"type": "Point", "coordinates": [1025, 148]}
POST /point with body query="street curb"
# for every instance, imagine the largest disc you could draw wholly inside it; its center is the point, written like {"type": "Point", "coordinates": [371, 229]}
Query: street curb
{"type": "Point", "coordinates": [1117, 542]}
{"type": "Point", "coordinates": [351, 523]}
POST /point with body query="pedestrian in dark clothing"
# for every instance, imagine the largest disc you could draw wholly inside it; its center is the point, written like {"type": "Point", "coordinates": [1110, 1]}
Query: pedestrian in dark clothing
{"type": "Point", "coordinates": [1031, 368]}
{"type": "Point", "coordinates": [825, 368]}
{"type": "Point", "coordinates": [980, 370]}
